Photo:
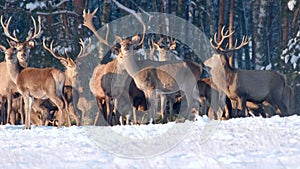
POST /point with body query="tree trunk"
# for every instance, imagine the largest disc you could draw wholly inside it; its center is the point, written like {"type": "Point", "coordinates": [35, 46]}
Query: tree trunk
{"type": "Point", "coordinates": [285, 26]}
{"type": "Point", "coordinates": [221, 17]}
{"type": "Point", "coordinates": [163, 28]}
{"type": "Point", "coordinates": [259, 16]}
{"type": "Point", "coordinates": [211, 19]}
{"type": "Point", "coordinates": [231, 29]}
{"type": "Point", "coordinates": [65, 22]}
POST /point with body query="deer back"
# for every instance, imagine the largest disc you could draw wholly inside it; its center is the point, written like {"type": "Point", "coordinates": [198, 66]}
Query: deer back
{"type": "Point", "coordinates": [40, 81]}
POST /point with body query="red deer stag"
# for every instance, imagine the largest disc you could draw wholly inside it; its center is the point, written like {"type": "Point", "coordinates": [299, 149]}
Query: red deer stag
{"type": "Point", "coordinates": [70, 88]}
{"type": "Point", "coordinates": [7, 86]}
{"type": "Point", "coordinates": [102, 89]}
{"type": "Point", "coordinates": [246, 85]}
{"type": "Point", "coordinates": [35, 83]}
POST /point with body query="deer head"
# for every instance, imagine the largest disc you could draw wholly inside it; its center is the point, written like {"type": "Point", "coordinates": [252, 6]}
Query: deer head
{"type": "Point", "coordinates": [22, 48]}
{"type": "Point", "coordinates": [68, 62]}
{"type": "Point", "coordinates": [221, 59]}
{"type": "Point", "coordinates": [9, 54]}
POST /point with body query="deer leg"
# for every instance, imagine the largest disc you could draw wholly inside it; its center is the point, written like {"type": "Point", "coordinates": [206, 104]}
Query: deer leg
{"type": "Point", "coordinates": [9, 107]}
{"type": "Point", "coordinates": [134, 115]}
{"type": "Point", "coordinates": [3, 110]}
{"type": "Point", "coordinates": [108, 111]}
{"type": "Point", "coordinates": [28, 104]}
{"type": "Point", "coordinates": [151, 108]}
{"type": "Point", "coordinates": [77, 114]}
{"type": "Point", "coordinates": [171, 103]}
{"type": "Point", "coordinates": [127, 119]}
{"type": "Point", "coordinates": [242, 103]}
{"type": "Point", "coordinates": [65, 106]}
{"type": "Point", "coordinates": [100, 110]}
{"type": "Point", "coordinates": [21, 109]}
{"type": "Point", "coordinates": [73, 114]}
{"type": "Point", "coordinates": [60, 105]}
{"type": "Point", "coordinates": [163, 102]}
{"type": "Point", "coordinates": [115, 111]}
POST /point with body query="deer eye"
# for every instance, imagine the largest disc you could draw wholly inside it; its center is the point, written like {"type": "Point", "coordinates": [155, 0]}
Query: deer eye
{"type": "Point", "coordinates": [118, 45]}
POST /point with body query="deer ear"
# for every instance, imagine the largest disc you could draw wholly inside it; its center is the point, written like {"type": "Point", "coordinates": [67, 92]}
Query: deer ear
{"type": "Point", "coordinates": [156, 46]}
{"type": "Point", "coordinates": [63, 62]}
{"type": "Point", "coordinates": [173, 46]}
{"type": "Point", "coordinates": [2, 48]}
{"type": "Point", "coordinates": [115, 49]}
{"type": "Point", "coordinates": [118, 39]}
{"type": "Point", "coordinates": [12, 44]}
{"type": "Point", "coordinates": [135, 38]}
{"type": "Point", "coordinates": [31, 44]}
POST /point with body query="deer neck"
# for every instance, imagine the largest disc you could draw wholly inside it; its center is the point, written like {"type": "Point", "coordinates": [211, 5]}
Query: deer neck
{"type": "Point", "coordinates": [223, 76]}
{"type": "Point", "coordinates": [13, 69]}
{"type": "Point", "coordinates": [69, 78]}
{"type": "Point", "coordinates": [131, 66]}
{"type": "Point", "coordinates": [162, 56]}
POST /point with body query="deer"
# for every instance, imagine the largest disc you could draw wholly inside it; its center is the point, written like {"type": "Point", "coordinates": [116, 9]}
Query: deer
{"type": "Point", "coordinates": [39, 83]}
{"type": "Point", "coordinates": [155, 77]}
{"type": "Point", "coordinates": [70, 92]}
{"type": "Point", "coordinates": [100, 83]}
{"type": "Point", "coordinates": [7, 86]}
{"type": "Point", "coordinates": [246, 85]}
{"type": "Point", "coordinates": [125, 95]}
{"type": "Point", "coordinates": [165, 54]}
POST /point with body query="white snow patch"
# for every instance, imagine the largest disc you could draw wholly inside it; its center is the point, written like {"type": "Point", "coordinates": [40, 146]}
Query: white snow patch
{"type": "Point", "coordinates": [291, 4]}
{"type": "Point", "coordinates": [236, 143]}
{"type": "Point", "coordinates": [36, 4]}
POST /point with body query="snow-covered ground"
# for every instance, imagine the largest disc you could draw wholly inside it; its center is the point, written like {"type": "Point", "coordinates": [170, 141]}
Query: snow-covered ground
{"type": "Point", "coordinates": [236, 143]}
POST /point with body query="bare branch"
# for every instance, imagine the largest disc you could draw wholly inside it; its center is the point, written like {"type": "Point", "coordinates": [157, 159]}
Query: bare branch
{"type": "Point", "coordinates": [138, 17]}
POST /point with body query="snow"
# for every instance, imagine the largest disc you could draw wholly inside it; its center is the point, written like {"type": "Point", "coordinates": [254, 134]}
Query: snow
{"type": "Point", "coordinates": [236, 143]}
{"type": "Point", "coordinates": [291, 4]}
{"type": "Point", "coordinates": [34, 5]}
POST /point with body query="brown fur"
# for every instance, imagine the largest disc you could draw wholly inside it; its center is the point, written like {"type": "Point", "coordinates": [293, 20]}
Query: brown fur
{"type": "Point", "coordinates": [248, 85]}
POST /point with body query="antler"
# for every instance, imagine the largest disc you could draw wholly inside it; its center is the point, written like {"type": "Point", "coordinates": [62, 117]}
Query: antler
{"type": "Point", "coordinates": [158, 43]}
{"type": "Point", "coordinates": [6, 32]}
{"type": "Point", "coordinates": [245, 41]}
{"type": "Point", "coordinates": [88, 22]}
{"type": "Point", "coordinates": [30, 35]}
{"type": "Point", "coordinates": [52, 51]}
{"type": "Point", "coordinates": [225, 35]}
{"type": "Point", "coordinates": [35, 33]}
{"type": "Point", "coordinates": [83, 48]}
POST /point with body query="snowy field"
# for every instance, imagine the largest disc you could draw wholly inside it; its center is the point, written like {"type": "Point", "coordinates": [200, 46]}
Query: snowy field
{"type": "Point", "coordinates": [236, 143]}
